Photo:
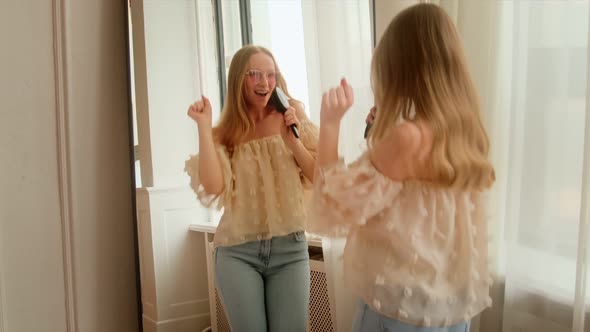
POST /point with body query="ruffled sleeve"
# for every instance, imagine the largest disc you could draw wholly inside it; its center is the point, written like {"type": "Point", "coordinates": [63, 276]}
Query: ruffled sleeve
{"type": "Point", "coordinates": [309, 134]}
{"type": "Point", "coordinates": [345, 196]}
{"type": "Point", "coordinates": [191, 167]}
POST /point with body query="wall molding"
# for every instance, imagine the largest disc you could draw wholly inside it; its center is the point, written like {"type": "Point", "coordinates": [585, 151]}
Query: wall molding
{"type": "Point", "coordinates": [186, 323]}
{"type": "Point", "coordinates": [174, 285]}
{"type": "Point", "coordinates": [64, 163]}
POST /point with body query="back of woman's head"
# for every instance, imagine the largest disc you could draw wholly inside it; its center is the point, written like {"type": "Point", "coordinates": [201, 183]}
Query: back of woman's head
{"type": "Point", "coordinates": [419, 72]}
{"type": "Point", "coordinates": [234, 123]}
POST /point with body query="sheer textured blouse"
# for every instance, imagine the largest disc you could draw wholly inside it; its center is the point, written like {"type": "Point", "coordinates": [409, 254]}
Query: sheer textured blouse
{"type": "Point", "coordinates": [414, 252]}
{"type": "Point", "coordinates": [264, 188]}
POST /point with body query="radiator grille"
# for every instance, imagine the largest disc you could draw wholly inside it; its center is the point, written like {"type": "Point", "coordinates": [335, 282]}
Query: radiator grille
{"type": "Point", "coordinates": [222, 323]}
{"type": "Point", "coordinates": [319, 304]}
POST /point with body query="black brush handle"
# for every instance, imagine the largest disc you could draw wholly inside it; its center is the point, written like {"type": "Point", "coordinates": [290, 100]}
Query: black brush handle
{"type": "Point", "coordinates": [367, 128]}
{"type": "Point", "coordinates": [370, 124]}
{"type": "Point", "coordinates": [295, 130]}
{"type": "Point", "coordinates": [281, 107]}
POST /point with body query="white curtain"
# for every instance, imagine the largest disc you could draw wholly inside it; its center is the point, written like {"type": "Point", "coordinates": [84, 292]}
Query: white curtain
{"type": "Point", "coordinates": [529, 60]}
{"type": "Point", "coordinates": [338, 44]}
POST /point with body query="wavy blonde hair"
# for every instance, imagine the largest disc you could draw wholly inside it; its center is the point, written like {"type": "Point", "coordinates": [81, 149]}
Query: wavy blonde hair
{"type": "Point", "coordinates": [235, 124]}
{"type": "Point", "coordinates": [419, 66]}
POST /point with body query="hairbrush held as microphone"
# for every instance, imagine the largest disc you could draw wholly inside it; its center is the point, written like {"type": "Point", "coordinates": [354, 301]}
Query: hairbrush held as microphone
{"type": "Point", "coordinates": [369, 124]}
{"type": "Point", "coordinates": [367, 128]}
{"type": "Point", "coordinates": [281, 102]}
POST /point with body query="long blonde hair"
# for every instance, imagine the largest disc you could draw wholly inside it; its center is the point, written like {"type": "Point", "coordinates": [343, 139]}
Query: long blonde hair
{"type": "Point", "coordinates": [235, 124]}
{"type": "Point", "coordinates": [419, 66]}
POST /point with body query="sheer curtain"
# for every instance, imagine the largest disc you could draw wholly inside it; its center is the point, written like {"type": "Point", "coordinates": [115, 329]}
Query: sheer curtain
{"type": "Point", "coordinates": [530, 62]}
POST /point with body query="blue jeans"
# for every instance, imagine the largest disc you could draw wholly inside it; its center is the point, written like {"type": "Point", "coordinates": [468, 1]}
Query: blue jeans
{"type": "Point", "coordinates": [367, 320]}
{"type": "Point", "coordinates": [264, 285]}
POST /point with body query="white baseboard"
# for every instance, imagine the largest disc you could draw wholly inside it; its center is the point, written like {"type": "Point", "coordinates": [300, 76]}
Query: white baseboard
{"type": "Point", "coordinates": [184, 324]}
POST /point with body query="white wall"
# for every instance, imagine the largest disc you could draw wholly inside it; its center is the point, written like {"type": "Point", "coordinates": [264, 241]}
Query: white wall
{"type": "Point", "coordinates": [171, 71]}
{"type": "Point", "coordinates": [30, 237]}
{"type": "Point", "coordinates": [66, 227]}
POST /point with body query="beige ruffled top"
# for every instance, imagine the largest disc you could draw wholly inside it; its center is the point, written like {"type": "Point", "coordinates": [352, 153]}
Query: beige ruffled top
{"type": "Point", "coordinates": [264, 188]}
{"type": "Point", "coordinates": [414, 252]}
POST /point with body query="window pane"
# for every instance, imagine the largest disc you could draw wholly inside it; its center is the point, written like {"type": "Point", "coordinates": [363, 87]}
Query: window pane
{"type": "Point", "coordinates": [232, 33]}
{"type": "Point", "coordinates": [278, 25]}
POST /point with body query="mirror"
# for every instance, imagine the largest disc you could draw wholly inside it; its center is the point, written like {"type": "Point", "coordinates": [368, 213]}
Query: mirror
{"type": "Point", "coordinates": [180, 50]}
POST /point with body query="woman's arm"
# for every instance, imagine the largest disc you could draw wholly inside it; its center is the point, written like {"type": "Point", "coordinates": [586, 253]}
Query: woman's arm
{"type": "Point", "coordinates": [335, 103]}
{"type": "Point", "coordinates": [303, 156]}
{"type": "Point", "coordinates": [210, 173]}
